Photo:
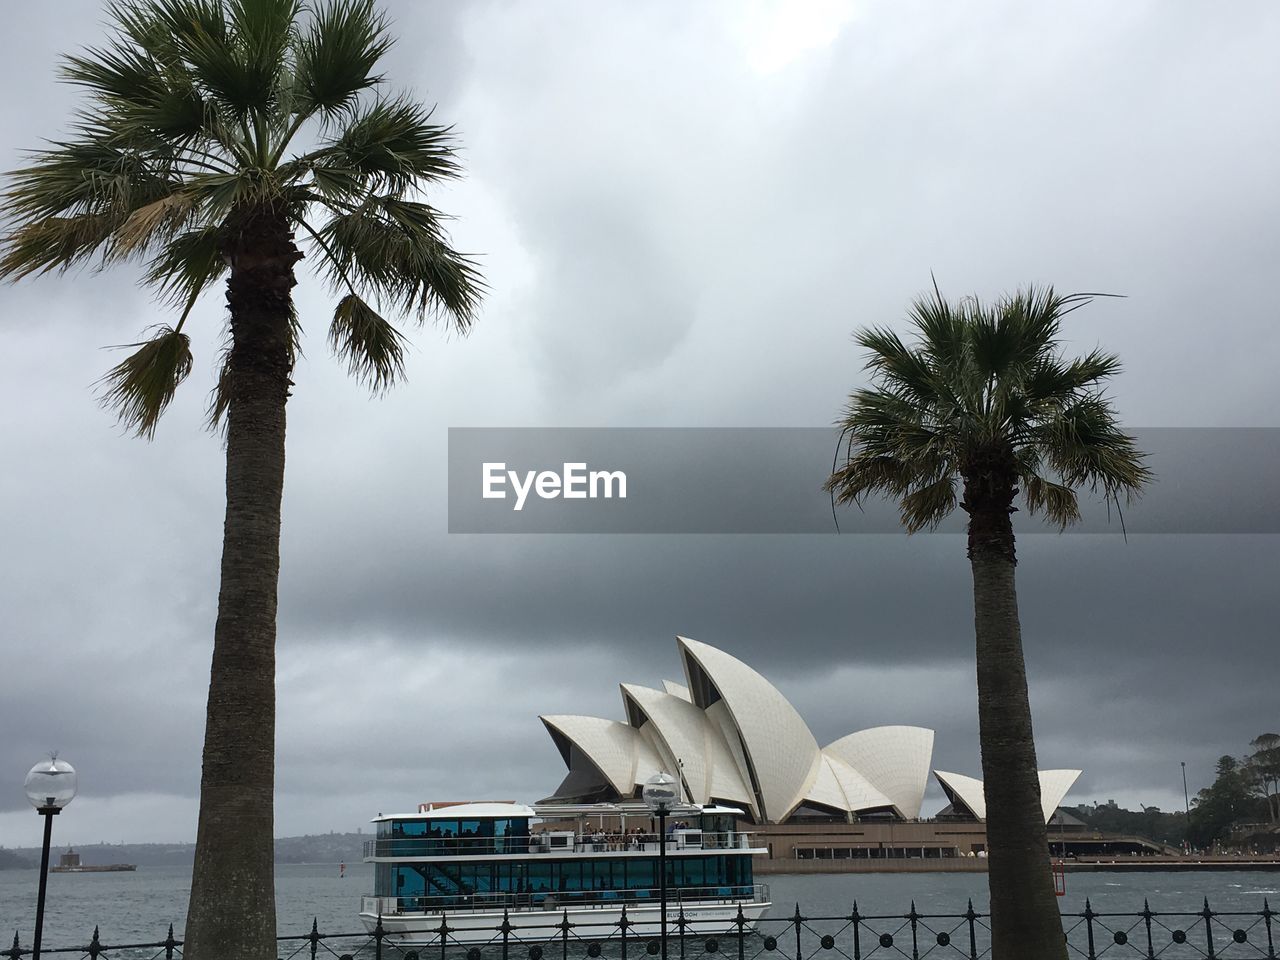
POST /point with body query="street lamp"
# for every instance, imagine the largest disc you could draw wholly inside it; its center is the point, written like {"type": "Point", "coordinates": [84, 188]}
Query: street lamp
{"type": "Point", "coordinates": [659, 793]}
{"type": "Point", "coordinates": [50, 786]}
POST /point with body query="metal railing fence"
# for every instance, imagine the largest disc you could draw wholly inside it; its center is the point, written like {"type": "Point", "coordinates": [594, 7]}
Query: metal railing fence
{"type": "Point", "coordinates": [1090, 934]}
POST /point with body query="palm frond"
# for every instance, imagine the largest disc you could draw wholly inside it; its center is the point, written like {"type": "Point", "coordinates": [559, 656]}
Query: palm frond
{"type": "Point", "coordinates": [337, 54]}
{"type": "Point", "coordinates": [864, 475]}
{"type": "Point", "coordinates": [187, 265]}
{"type": "Point", "coordinates": [397, 249]}
{"type": "Point", "coordinates": [903, 370]}
{"type": "Point", "coordinates": [1056, 501]}
{"type": "Point", "coordinates": [88, 175]}
{"type": "Point", "coordinates": [928, 505]}
{"type": "Point", "coordinates": [220, 395]}
{"type": "Point", "coordinates": [141, 386]}
{"type": "Point", "coordinates": [372, 347]}
{"type": "Point", "coordinates": [54, 243]}
{"type": "Point", "coordinates": [152, 224]}
{"type": "Point", "coordinates": [393, 144]}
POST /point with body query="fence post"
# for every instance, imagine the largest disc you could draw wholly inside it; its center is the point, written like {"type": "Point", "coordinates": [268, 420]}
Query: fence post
{"type": "Point", "coordinates": [856, 919]}
{"type": "Point", "coordinates": [741, 923]}
{"type": "Point", "coordinates": [797, 920]}
{"type": "Point", "coordinates": [970, 916]}
{"type": "Point", "coordinates": [314, 937]}
{"type": "Point", "coordinates": [15, 952]}
{"type": "Point", "coordinates": [1266, 921]}
{"type": "Point", "coordinates": [1146, 919]}
{"type": "Point", "coordinates": [1208, 927]}
{"type": "Point", "coordinates": [95, 947]}
{"type": "Point", "coordinates": [623, 923]}
{"type": "Point", "coordinates": [680, 925]}
{"type": "Point", "coordinates": [506, 932]}
{"type": "Point", "coordinates": [169, 944]}
{"type": "Point", "coordinates": [378, 934]}
{"type": "Point", "coordinates": [914, 917]}
{"type": "Point", "coordinates": [443, 930]}
{"type": "Point", "coordinates": [1088, 925]}
{"type": "Point", "coordinates": [564, 936]}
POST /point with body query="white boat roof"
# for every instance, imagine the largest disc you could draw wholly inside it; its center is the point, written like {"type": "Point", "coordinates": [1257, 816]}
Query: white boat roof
{"type": "Point", "coordinates": [495, 810]}
{"type": "Point", "coordinates": [484, 810]}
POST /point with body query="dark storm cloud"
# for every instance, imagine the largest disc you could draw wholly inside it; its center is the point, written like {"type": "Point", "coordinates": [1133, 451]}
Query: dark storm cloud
{"type": "Point", "coordinates": [684, 210]}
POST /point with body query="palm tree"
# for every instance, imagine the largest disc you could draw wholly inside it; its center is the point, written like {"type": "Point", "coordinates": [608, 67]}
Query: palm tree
{"type": "Point", "coordinates": [222, 139]}
{"type": "Point", "coordinates": [980, 408]}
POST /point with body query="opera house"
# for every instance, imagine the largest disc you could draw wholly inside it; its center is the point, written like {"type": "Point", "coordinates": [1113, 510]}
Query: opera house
{"type": "Point", "coordinates": [729, 737]}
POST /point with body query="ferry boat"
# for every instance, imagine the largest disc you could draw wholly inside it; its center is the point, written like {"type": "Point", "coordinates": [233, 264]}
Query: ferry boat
{"type": "Point", "coordinates": [471, 864]}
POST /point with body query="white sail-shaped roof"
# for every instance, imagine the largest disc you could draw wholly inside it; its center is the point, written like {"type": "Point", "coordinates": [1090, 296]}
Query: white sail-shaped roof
{"type": "Point", "coordinates": [692, 741]}
{"type": "Point", "coordinates": [676, 689]}
{"type": "Point", "coordinates": [894, 759]}
{"type": "Point", "coordinates": [1054, 785]}
{"type": "Point", "coordinates": [678, 725]}
{"type": "Point", "coordinates": [841, 787]}
{"type": "Point", "coordinates": [780, 751]}
{"type": "Point", "coordinates": [616, 749]}
{"type": "Point", "coordinates": [963, 791]}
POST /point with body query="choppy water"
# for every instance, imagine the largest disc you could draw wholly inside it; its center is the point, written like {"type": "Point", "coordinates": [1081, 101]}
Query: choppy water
{"type": "Point", "coordinates": [138, 907]}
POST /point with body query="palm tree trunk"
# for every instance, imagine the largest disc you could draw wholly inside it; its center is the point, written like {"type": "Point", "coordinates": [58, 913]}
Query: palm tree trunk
{"type": "Point", "coordinates": [1025, 920]}
{"type": "Point", "coordinates": [232, 909]}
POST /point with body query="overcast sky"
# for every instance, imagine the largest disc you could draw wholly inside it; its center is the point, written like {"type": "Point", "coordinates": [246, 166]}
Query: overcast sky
{"type": "Point", "coordinates": [684, 210]}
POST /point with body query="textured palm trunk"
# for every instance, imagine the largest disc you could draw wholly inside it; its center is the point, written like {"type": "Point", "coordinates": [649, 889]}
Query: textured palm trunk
{"type": "Point", "coordinates": [1025, 920]}
{"type": "Point", "coordinates": [232, 910]}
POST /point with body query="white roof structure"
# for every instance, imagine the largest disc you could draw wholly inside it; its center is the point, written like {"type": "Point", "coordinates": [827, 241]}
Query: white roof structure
{"type": "Point", "coordinates": [477, 810]}
{"type": "Point", "coordinates": [895, 760]}
{"type": "Point", "coordinates": [615, 749]}
{"type": "Point", "coordinates": [732, 738]}
{"type": "Point", "coordinates": [966, 792]}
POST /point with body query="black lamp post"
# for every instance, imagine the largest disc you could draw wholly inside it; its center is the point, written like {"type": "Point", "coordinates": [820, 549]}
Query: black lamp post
{"type": "Point", "coordinates": [660, 796]}
{"type": "Point", "coordinates": [50, 786]}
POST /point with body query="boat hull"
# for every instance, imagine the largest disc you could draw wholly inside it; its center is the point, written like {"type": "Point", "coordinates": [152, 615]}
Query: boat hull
{"type": "Point", "coordinates": [588, 923]}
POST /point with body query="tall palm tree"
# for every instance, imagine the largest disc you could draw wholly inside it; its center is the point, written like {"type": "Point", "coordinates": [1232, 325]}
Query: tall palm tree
{"type": "Point", "coordinates": [222, 140]}
{"type": "Point", "coordinates": [980, 408]}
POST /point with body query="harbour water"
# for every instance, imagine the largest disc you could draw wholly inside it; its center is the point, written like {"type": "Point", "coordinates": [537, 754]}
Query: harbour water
{"type": "Point", "coordinates": [138, 907]}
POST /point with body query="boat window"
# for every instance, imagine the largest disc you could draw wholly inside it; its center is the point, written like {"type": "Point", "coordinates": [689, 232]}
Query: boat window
{"type": "Point", "coordinates": [472, 833]}
{"type": "Point", "coordinates": [445, 829]}
{"type": "Point", "coordinates": [641, 874]}
{"type": "Point", "coordinates": [539, 876]}
{"type": "Point", "coordinates": [452, 883]}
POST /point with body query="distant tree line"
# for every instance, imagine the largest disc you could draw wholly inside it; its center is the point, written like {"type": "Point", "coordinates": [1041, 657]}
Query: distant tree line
{"type": "Point", "coordinates": [1240, 809]}
{"type": "Point", "coordinates": [11, 861]}
{"type": "Point", "coordinates": [1244, 800]}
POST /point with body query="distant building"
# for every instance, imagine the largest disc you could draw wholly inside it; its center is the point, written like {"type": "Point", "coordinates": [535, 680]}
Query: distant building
{"type": "Point", "coordinates": [730, 737]}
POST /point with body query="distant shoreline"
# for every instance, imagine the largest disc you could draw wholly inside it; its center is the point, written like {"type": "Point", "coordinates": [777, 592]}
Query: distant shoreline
{"type": "Point", "coordinates": [979, 865]}
{"type": "Point", "coordinates": [322, 848]}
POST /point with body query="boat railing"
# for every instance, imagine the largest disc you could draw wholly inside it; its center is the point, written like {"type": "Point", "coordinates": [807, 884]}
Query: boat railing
{"type": "Point", "coordinates": [560, 899]}
{"type": "Point", "coordinates": [551, 842]}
